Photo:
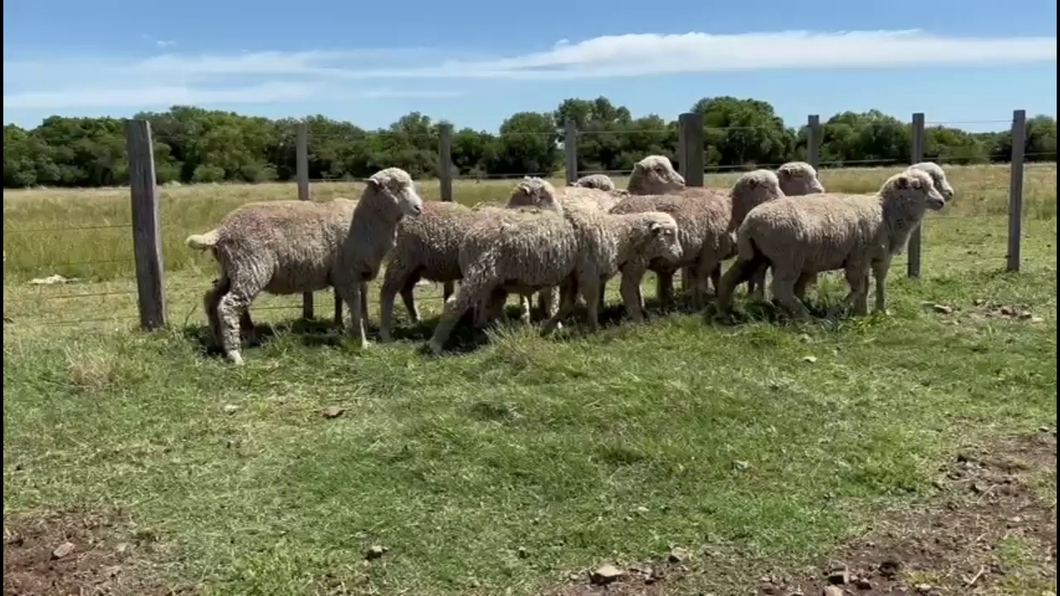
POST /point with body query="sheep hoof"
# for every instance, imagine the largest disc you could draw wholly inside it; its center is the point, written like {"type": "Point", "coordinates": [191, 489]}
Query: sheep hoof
{"type": "Point", "coordinates": [432, 348]}
{"type": "Point", "coordinates": [235, 358]}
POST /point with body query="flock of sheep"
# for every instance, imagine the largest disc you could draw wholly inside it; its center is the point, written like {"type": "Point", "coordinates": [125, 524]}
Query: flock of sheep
{"type": "Point", "coordinates": [565, 243]}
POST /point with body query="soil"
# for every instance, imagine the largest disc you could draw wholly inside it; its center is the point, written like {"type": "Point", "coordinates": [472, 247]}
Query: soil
{"type": "Point", "coordinates": [79, 553]}
{"type": "Point", "coordinates": [949, 545]}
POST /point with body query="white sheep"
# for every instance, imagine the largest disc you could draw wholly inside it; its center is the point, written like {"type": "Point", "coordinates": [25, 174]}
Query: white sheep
{"type": "Point", "coordinates": [938, 177]}
{"type": "Point", "coordinates": [389, 196]}
{"type": "Point", "coordinates": [702, 216]}
{"type": "Point", "coordinates": [598, 181]}
{"type": "Point", "coordinates": [801, 236]}
{"type": "Point", "coordinates": [278, 247]}
{"type": "Point", "coordinates": [291, 247]}
{"type": "Point", "coordinates": [799, 178]}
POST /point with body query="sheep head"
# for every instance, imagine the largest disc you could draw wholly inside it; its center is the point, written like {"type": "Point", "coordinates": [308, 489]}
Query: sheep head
{"type": "Point", "coordinates": [938, 177]}
{"type": "Point", "coordinates": [396, 187]}
{"type": "Point", "coordinates": [661, 238]}
{"type": "Point", "coordinates": [534, 192]}
{"type": "Point", "coordinates": [654, 175]}
{"type": "Point", "coordinates": [597, 181]}
{"type": "Point", "coordinates": [913, 188]}
{"type": "Point", "coordinates": [799, 178]}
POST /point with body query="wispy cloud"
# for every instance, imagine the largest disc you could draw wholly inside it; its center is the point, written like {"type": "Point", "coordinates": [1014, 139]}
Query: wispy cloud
{"type": "Point", "coordinates": [272, 76]}
{"type": "Point", "coordinates": [165, 43]}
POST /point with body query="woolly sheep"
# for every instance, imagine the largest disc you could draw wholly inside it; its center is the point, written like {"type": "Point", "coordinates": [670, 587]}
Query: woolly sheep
{"type": "Point", "coordinates": [279, 247]}
{"type": "Point", "coordinates": [800, 236]}
{"type": "Point", "coordinates": [508, 250]}
{"type": "Point", "coordinates": [389, 196]}
{"type": "Point", "coordinates": [799, 178]}
{"type": "Point", "coordinates": [597, 181]}
{"type": "Point", "coordinates": [654, 175]}
{"type": "Point", "coordinates": [749, 191]}
{"type": "Point", "coordinates": [702, 216]}
{"type": "Point", "coordinates": [610, 244]}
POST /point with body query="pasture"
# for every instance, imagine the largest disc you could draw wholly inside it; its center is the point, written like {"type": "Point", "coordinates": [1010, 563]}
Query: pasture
{"type": "Point", "coordinates": [766, 453]}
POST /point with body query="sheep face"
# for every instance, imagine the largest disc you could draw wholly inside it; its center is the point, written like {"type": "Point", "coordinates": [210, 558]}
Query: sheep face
{"type": "Point", "coordinates": [655, 175]}
{"type": "Point", "coordinates": [938, 177]}
{"type": "Point", "coordinates": [916, 186]}
{"type": "Point", "coordinates": [397, 186]}
{"type": "Point", "coordinates": [534, 192]}
{"type": "Point", "coordinates": [799, 178]}
{"type": "Point", "coordinates": [662, 238]}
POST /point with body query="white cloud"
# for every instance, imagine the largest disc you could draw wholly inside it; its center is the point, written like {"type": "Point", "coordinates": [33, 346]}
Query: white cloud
{"type": "Point", "coordinates": [328, 74]}
{"type": "Point", "coordinates": [165, 43]}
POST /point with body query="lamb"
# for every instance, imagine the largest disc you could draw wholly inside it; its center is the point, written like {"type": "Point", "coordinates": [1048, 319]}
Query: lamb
{"type": "Point", "coordinates": [801, 236]}
{"type": "Point", "coordinates": [288, 247]}
{"type": "Point", "coordinates": [799, 178]}
{"type": "Point", "coordinates": [597, 181]}
{"type": "Point", "coordinates": [530, 249]}
{"type": "Point", "coordinates": [757, 187]}
{"type": "Point", "coordinates": [938, 177]}
{"type": "Point", "coordinates": [702, 216]}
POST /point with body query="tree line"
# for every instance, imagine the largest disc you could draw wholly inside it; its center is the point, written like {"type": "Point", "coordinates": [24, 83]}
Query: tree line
{"type": "Point", "coordinates": [197, 145]}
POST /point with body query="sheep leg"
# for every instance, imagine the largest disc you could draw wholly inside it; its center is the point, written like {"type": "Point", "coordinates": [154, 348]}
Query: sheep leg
{"type": "Point", "coordinates": [603, 294]}
{"type": "Point", "coordinates": [230, 311]}
{"type": "Point", "coordinates": [631, 296]}
{"type": "Point", "coordinates": [568, 297]}
{"type": "Point", "coordinates": [471, 292]}
{"type": "Point", "coordinates": [393, 281]}
{"type": "Point", "coordinates": [800, 285]}
{"type": "Point", "coordinates": [704, 272]}
{"type": "Point", "coordinates": [858, 296]}
{"type": "Point", "coordinates": [664, 288]}
{"type": "Point", "coordinates": [589, 287]}
{"type": "Point", "coordinates": [548, 301]}
{"type": "Point", "coordinates": [364, 304]}
{"type": "Point", "coordinates": [211, 300]}
{"type": "Point", "coordinates": [756, 286]}
{"type": "Point", "coordinates": [739, 272]}
{"type": "Point", "coordinates": [880, 269]}
{"type": "Point", "coordinates": [784, 292]}
{"type": "Point", "coordinates": [350, 290]}
{"type": "Point", "coordinates": [715, 277]}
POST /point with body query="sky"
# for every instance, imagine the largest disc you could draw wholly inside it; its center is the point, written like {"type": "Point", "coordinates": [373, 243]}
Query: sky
{"type": "Point", "coordinates": [475, 62]}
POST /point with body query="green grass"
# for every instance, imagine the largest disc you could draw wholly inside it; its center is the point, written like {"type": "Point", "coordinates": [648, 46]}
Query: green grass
{"type": "Point", "coordinates": [579, 450]}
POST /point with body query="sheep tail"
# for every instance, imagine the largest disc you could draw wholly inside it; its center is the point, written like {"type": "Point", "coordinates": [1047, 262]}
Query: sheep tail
{"type": "Point", "coordinates": [745, 245]}
{"type": "Point", "coordinates": [203, 241]}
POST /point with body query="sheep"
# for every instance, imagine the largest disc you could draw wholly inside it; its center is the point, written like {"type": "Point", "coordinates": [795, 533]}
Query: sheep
{"type": "Point", "coordinates": [654, 175]}
{"type": "Point", "coordinates": [597, 181]}
{"type": "Point", "coordinates": [522, 250]}
{"type": "Point", "coordinates": [388, 197]}
{"type": "Point", "coordinates": [289, 247]}
{"type": "Point", "coordinates": [702, 216]}
{"type": "Point", "coordinates": [612, 244]}
{"type": "Point", "coordinates": [749, 191]}
{"type": "Point", "coordinates": [800, 236]}
{"type": "Point", "coordinates": [279, 247]}
{"type": "Point", "coordinates": [530, 249]}
{"type": "Point", "coordinates": [799, 178]}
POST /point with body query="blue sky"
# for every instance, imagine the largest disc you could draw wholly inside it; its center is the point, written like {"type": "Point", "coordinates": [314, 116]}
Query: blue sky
{"type": "Point", "coordinates": [476, 62]}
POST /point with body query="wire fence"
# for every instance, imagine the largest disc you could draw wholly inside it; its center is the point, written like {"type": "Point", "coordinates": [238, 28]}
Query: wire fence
{"type": "Point", "coordinates": [986, 228]}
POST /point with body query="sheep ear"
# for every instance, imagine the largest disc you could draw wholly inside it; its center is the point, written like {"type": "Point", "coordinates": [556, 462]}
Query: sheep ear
{"type": "Point", "coordinates": [371, 183]}
{"type": "Point", "coordinates": [655, 227]}
{"type": "Point", "coordinates": [917, 183]}
{"type": "Point", "coordinates": [902, 181]}
{"type": "Point", "coordinates": [752, 183]}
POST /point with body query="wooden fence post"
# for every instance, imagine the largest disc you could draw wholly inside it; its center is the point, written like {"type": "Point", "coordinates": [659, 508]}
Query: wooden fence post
{"type": "Point", "coordinates": [445, 178]}
{"type": "Point", "coordinates": [570, 150]}
{"type": "Point", "coordinates": [1015, 192]}
{"type": "Point", "coordinates": [813, 141]}
{"type": "Point", "coordinates": [691, 124]}
{"type": "Point", "coordinates": [146, 225]}
{"type": "Point", "coordinates": [302, 176]}
{"type": "Point", "coordinates": [916, 239]}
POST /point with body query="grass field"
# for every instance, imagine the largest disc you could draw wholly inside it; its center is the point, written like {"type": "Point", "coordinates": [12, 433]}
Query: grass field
{"type": "Point", "coordinates": [764, 449]}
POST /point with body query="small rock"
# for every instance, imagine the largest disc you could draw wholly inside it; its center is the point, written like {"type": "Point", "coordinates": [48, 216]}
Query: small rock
{"type": "Point", "coordinates": [832, 591]}
{"type": "Point", "coordinates": [230, 408]}
{"type": "Point", "coordinates": [889, 568]}
{"type": "Point", "coordinates": [375, 551]}
{"type": "Point", "coordinates": [923, 588]}
{"type": "Point", "coordinates": [809, 359]}
{"type": "Point", "coordinates": [64, 550]}
{"type": "Point", "coordinates": [1016, 520]}
{"type": "Point", "coordinates": [1026, 315]}
{"type": "Point", "coordinates": [942, 309]}
{"type": "Point", "coordinates": [839, 577]}
{"type": "Point", "coordinates": [605, 575]}
{"type": "Point", "coordinates": [332, 412]}
{"type": "Point", "coordinates": [642, 510]}
{"type": "Point", "coordinates": [979, 302]}
{"type": "Point", "coordinates": [741, 465]}
{"type": "Point", "coordinates": [863, 583]}
{"type": "Point", "coordinates": [1037, 320]}
{"type": "Point", "coordinates": [1008, 312]}
{"type": "Point", "coordinates": [679, 555]}
{"type": "Point", "coordinates": [112, 571]}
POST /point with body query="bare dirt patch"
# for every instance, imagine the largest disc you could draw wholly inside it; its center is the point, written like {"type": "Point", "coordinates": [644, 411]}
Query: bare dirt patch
{"type": "Point", "coordinates": [990, 530]}
{"type": "Point", "coordinates": [80, 553]}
